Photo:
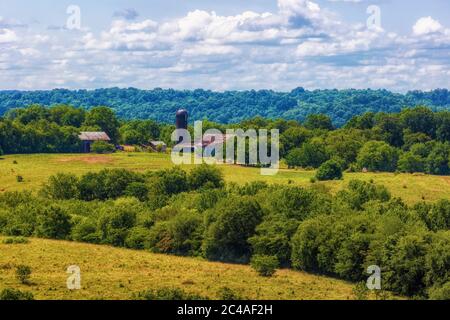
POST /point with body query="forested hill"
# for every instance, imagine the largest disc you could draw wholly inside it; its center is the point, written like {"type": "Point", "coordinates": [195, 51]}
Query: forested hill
{"type": "Point", "coordinates": [231, 106]}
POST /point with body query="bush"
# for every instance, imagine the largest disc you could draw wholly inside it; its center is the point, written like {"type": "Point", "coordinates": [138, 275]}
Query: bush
{"type": "Point", "coordinates": [205, 176]}
{"type": "Point", "coordinates": [265, 265]}
{"type": "Point", "coordinates": [330, 170]}
{"type": "Point", "coordinates": [138, 190]}
{"type": "Point", "coordinates": [411, 163]}
{"type": "Point", "coordinates": [235, 221]}
{"type": "Point", "coordinates": [19, 179]}
{"type": "Point", "coordinates": [13, 295]}
{"type": "Point", "coordinates": [53, 223]}
{"type": "Point", "coordinates": [138, 238]}
{"type": "Point", "coordinates": [115, 224]}
{"type": "Point", "coordinates": [167, 294]}
{"type": "Point", "coordinates": [438, 292]}
{"type": "Point", "coordinates": [170, 181]}
{"type": "Point", "coordinates": [228, 294]}
{"type": "Point", "coordinates": [107, 184]}
{"type": "Point", "coordinates": [438, 160]}
{"type": "Point", "coordinates": [86, 231]}
{"type": "Point", "coordinates": [311, 154]}
{"type": "Point", "coordinates": [180, 235]}
{"type": "Point", "coordinates": [23, 273]}
{"type": "Point", "coordinates": [16, 240]}
{"type": "Point", "coordinates": [62, 186]}
{"type": "Point", "coordinates": [360, 291]}
{"type": "Point", "coordinates": [378, 156]}
{"type": "Point", "coordinates": [360, 192]}
{"type": "Point", "coordinates": [102, 147]}
{"type": "Point", "coordinates": [273, 237]}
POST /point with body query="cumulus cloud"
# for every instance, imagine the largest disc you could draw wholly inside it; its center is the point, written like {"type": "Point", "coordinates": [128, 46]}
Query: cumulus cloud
{"type": "Point", "coordinates": [300, 43]}
{"type": "Point", "coordinates": [7, 36]}
{"type": "Point", "coordinates": [426, 25]}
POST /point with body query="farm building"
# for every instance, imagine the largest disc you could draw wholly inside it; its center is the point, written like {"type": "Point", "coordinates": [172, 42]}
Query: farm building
{"type": "Point", "coordinates": [158, 146]}
{"type": "Point", "coordinates": [90, 137]}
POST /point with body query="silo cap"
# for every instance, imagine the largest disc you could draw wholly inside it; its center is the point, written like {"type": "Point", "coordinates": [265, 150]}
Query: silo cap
{"type": "Point", "coordinates": [182, 112]}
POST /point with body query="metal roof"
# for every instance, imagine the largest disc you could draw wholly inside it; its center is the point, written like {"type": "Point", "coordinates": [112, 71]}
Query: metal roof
{"type": "Point", "coordinates": [94, 136]}
{"type": "Point", "coordinates": [156, 143]}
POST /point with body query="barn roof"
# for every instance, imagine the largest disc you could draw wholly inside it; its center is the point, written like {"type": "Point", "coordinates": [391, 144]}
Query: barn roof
{"type": "Point", "coordinates": [157, 143]}
{"type": "Point", "coordinates": [94, 136]}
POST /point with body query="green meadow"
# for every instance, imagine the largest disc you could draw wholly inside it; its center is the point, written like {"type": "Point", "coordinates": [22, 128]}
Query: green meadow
{"type": "Point", "coordinates": [35, 170]}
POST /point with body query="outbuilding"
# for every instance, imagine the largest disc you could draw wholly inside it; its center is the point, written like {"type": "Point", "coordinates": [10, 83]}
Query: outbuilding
{"type": "Point", "coordinates": [158, 146]}
{"type": "Point", "coordinates": [88, 138]}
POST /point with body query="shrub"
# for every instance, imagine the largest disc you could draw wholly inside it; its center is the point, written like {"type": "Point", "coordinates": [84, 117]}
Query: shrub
{"type": "Point", "coordinates": [378, 156]}
{"type": "Point", "coordinates": [265, 265]}
{"type": "Point", "coordinates": [438, 160]}
{"type": "Point", "coordinates": [19, 179]}
{"type": "Point", "coordinates": [13, 294]}
{"type": "Point", "coordinates": [292, 202]}
{"type": "Point", "coordinates": [205, 176]}
{"type": "Point", "coordinates": [170, 181]}
{"type": "Point", "coordinates": [86, 231]}
{"type": "Point", "coordinates": [330, 170]}
{"type": "Point", "coordinates": [181, 234]}
{"type": "Point", "coordinates": [438, 292]}
{"type": "Point", "coordinates": [235, 221]}
{"type": "Point", "coordinates": [360, 291]}
{"type": "Point", "coordinates": [411, 163]}
{"type": "Point", "coordinates": [53, 223]}
{"type": "Point", "coordinates": [23, 273]}
{"type": "Point", "coordinates": [273, 237]}
{"type": "Point", "coordinates": [168, 294]}
{"type": "Point", "coordinates": [311, 154]}
{"type": "Point", "coordinates": [102, 147]}
{"type": "Point", "coordinates": [228, 294]}
{"type": "Point", "coordinates": [138, 190]}
{"type": "Point", "coordinates": [106, 184]}
{"type": "Point", "coordinates": [16, 240]}
{"type": "Point", "coordinates": [360, 192]}
{"type": "Point", "coordinates": [62, 186]}
{"type": "Point", "coordinates": [115, 224]}
{"type": "Point", "coordinates": [138, 238]}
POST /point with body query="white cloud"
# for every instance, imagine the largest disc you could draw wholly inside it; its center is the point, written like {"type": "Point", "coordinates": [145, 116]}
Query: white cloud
{"type": "Point", "coordinates": [426, 25]}
{"type": "Point", "coordinates": [300, 43]}
{"type": "Point", "coordinates": [7, 36]}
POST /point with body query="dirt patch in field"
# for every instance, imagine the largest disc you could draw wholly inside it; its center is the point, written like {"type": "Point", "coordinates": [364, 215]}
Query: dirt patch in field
{"type": "Point", "coordinates": [88, 159]}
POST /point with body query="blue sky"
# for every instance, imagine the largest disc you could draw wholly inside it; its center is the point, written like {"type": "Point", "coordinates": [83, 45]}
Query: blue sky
{"type": "Point", "coordinates": [223, 45]}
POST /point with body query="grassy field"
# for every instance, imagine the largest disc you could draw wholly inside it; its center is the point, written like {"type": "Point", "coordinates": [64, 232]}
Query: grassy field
{"type": "Point", "coordinates": [111, 273]}
{"type": "Point", "coordinates": [35, 169]}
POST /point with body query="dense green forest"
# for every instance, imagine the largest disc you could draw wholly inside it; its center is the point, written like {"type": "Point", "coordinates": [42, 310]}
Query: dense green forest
{"type": "Point", "coordinates": [413, 140]}
{"type": "Point", "coordinates": [231, 106]}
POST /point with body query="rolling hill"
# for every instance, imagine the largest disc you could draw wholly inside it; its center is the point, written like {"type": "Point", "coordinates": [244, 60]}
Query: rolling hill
{"type": "Point", "coordinates": [116, 274]}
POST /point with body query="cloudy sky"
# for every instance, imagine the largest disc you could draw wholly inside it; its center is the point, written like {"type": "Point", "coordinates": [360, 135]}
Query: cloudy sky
{"type": "Point", "coordinates": [221, 45]}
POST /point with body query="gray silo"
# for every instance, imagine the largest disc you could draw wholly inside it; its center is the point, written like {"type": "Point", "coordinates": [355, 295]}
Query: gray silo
{"type": "Point", "coordinates": [182, 119]}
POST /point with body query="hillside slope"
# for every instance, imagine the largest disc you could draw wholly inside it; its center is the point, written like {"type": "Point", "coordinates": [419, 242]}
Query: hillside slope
{"type": "Point", "coordinates": [111, 273]}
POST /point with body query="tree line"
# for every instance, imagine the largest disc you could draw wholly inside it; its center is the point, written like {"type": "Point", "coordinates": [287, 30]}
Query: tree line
{"type": "Point", "coordinates": [196, 213]}
{"type": "Point", "coordinates": [231, 106]}
{"type": "Point", "coordinates": [412, 140]}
